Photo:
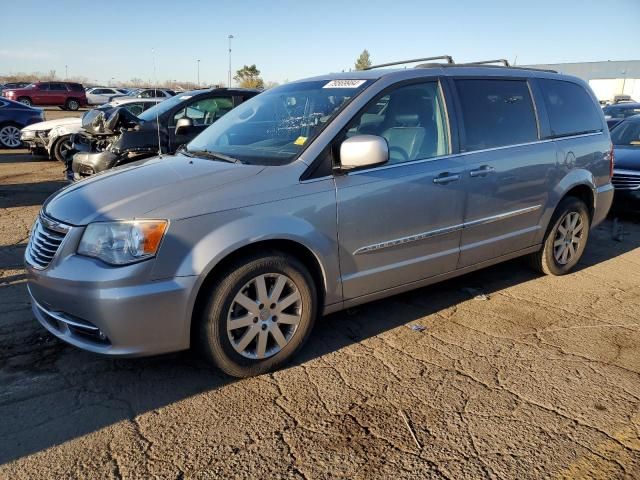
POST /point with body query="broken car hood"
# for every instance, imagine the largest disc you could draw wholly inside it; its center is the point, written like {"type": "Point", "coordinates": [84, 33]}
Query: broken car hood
{"type": "Point", "coordinates": [135, 190]}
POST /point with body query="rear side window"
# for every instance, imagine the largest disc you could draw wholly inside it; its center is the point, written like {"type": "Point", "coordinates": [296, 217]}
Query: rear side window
{"type": "Point", "coordinates": [496, 113]}
{"type": "Point", "coordinates": [76, 87]}
{"type": "Point", "coordinates": [570, 108]}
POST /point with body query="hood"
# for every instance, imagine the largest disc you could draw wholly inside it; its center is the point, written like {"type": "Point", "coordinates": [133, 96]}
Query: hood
{"type": "Point", "coordinates": [136, 189]}
{"type": "Point", "coordinates": [53, 123]}
{"type": "Point", "coordinates": [627, 157]}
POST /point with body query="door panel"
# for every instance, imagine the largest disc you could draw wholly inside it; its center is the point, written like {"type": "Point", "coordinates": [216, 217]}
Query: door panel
{"type": "Point", "coordinates": [505, 205]}
{"type": "Point", "coordinates": [509, 171]}
{"type": "Point", "coordinates": [396, 225]}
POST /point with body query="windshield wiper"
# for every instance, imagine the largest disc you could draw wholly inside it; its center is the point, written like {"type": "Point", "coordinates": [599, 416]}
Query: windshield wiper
{"type": "Point", "coordinates": [211, 155]}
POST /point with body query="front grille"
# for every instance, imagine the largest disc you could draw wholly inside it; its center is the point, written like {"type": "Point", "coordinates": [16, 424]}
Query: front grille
{"type": "Point", "coordinates": [626, 180]}
{"type": "Point", "coordinates": [46, 238]}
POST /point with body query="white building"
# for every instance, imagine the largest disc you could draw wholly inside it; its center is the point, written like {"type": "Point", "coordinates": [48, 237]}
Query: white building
{"type": "Point", "coordinates": [607, 79]}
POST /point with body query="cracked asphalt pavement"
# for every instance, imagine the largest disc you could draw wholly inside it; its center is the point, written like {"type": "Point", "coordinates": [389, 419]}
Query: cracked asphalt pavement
{"type": "Point", "coordinates": [499, 374]}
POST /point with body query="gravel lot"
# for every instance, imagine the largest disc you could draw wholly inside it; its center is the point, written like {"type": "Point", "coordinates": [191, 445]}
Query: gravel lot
{"type": "Point", "coordinates": [538, 378]}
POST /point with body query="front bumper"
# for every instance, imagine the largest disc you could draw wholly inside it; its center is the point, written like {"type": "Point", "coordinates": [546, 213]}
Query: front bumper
{"type": "Point", "coordinates": [116, 311]}
{"type": "Point", "coordinates": [86, 164]}
{"type": "Point", "coordinates": [35, 140]}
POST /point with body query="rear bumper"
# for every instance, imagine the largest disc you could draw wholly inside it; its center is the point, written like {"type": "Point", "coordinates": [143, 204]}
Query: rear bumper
{"type": "Point", "coordinates": [603, 201]}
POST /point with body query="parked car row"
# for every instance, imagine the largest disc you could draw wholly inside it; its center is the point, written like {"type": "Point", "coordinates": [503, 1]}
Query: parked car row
{"type": "Point", "coordinates": [71, 96]}
{"type": "Point", "coordinates": [312, 197]}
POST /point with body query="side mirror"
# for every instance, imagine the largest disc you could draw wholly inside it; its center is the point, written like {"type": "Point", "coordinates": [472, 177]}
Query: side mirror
{"type": "Point", "coordinates": [363, 151]}
{"type": "Point", "coordinates": [183, 125]}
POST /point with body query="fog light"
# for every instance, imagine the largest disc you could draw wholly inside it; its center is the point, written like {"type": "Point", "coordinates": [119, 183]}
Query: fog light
{"type": "Point", "coordinates": [101, 335]}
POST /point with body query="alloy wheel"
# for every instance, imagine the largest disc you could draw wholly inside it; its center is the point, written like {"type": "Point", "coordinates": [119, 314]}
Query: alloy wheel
{"type": "Point", "coordinates": [568, 238]}
{"type": "Point", "coordinates": [264, 316]}
{"type": "Point", "coordinates": [10, 136]}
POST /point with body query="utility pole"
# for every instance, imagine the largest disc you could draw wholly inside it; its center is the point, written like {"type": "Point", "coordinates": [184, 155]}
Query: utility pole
{"type": "Point", "coordinates": [198, 73]}
{"type": "Point", "coordinates": [230, 38]}
{"type": "Point", "coordinates": [66, 72]}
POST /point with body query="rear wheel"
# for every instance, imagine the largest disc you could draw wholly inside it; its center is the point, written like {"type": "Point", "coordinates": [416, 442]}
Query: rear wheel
{"type": "Point", "coordinates": [565, 240]}
{"type": "Point", "coordinates": [25, 101]}
{"type": "Point", "coordinates": [10, 135]}
{"type": "Point", "coordinates": [61, 147]}
{"type": "Point", "coordinates": [258, 315]}
{"type": "Point", "coordinates": [72, 105]}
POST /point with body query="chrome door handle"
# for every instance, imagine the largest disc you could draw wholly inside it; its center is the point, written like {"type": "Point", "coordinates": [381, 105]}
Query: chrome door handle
{"type": "Point", "coordinates": [445, 178]}
{"type": "Point", "coordinates": [482, 171]}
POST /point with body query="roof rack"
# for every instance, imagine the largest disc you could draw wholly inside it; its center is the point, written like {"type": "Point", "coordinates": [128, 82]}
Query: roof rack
{"type": "Point", "coordinates": [503, 61]}
{"type": "Point", "coordinates": [448, 58]}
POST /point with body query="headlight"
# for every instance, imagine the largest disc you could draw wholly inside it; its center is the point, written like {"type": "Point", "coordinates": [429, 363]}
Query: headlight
{"type": "Point", "coordinates": [120, 243]}
{"type": "Point", "coordinates": [27, 135]}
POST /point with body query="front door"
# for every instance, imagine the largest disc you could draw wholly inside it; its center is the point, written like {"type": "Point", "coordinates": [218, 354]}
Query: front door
{"type": "Point", "coordinates": [401, 222]}
{"type": "Point", "coordinates": [509, 173]}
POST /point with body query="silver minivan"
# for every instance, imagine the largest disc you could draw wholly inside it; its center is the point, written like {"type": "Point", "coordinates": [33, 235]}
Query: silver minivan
{"type": "Point", "coordinates": [316, 196]}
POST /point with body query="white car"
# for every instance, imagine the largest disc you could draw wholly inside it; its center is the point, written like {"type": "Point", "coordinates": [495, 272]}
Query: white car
{"type": "Point", "coordinates": [54, 136]}
{"type": "Point", "coordinates": [101, 95]}
{"type": "Point", "coordinates": [151, 93]}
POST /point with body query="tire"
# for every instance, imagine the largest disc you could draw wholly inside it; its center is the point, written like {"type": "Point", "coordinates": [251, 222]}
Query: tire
{"type": "Point", "coordinates": [561, 236]}
{"type": "Point", "coordinates": [10, 135]}
{"type": "Point", "coordinates": [62, 145]}
{"type": "Point", "coordinates": [237, 350]}
{"type": "Point", "coordinates": [72, 104]}
{"type": "Point", "coordinates": [25, 101]}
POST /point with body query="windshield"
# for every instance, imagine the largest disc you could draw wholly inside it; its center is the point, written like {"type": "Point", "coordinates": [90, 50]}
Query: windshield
{"type": "Point", "coordinates": [163, 107]}
{"type": "Point", "coordinates": [273, 127]}
{"type": "Point", "coordinates": [626, 133]}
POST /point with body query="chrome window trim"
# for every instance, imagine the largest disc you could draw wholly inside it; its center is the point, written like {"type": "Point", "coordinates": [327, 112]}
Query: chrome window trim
{"type": "Point", "coordinates": [445, 230]}
{"type": "Point", "coordinates": [463, 154]}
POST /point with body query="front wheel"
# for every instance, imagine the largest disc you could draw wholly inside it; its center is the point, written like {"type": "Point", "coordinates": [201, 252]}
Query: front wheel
{"type": "Point", "coordinates": [258, 315]}
{"type": "Point", "coordinates": [565, 240]}
{"type": "Point", "coordinates": [62, 146]}
{"type": "Point", "coordinates": [25, 101]}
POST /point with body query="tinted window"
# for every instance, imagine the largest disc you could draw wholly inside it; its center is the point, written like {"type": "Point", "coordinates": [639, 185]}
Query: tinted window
{"type": "Point", "coordinates": [410, 118]}
{"type": "Point", "coordinates": [496, 113]}
{"type": "Point", "coordinates": [571, 110]}
{"type": "Point", "coordinates": [43, 86]}
{"type": "Point", "coordinates": [76, 87]}
{"type": "Point", "coordinates": [58, 87]}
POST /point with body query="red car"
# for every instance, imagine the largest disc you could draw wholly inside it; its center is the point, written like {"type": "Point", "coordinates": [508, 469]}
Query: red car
{"type": "Point", "coordinates": [66, 95]}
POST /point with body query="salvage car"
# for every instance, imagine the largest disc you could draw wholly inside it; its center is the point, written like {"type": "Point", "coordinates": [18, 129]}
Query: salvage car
{"type": "Point", "coordinates": [626, 173]}
{"type": "Point", "coordinates": [316, 196]}
{"type": "Point", "coordinates": [66, 95]}
{"type": "Point", "coordinates": [13, 117]}
{"type": "Point", "coordinates": [167, 126]}
{"type": "Point", "coordinates": [55, 135]}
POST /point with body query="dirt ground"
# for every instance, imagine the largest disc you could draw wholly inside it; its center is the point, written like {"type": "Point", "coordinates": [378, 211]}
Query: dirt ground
{"type": "Point", "coordinates": [538, 378]}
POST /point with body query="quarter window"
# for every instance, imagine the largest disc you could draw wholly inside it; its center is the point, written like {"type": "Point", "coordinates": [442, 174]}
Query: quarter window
{"type": "Point", "coordinates": [496, 113]}
{"type": "Point", "coordinates": [412, 120]}
{"type": "Point", "coordinates": [571, 110]}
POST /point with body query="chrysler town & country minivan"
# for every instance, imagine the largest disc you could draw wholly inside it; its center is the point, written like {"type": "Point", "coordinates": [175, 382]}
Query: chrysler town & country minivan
{"type": "Point", "coordinates": [316, 196]}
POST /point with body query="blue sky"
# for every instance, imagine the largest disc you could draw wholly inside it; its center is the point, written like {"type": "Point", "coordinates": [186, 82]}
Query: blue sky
{"type": "Point", "coordinates": [294, 39]}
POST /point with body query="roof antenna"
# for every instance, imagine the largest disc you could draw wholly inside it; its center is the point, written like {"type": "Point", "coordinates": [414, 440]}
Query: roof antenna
{"type": "Point", "coordinates": [155, 92]}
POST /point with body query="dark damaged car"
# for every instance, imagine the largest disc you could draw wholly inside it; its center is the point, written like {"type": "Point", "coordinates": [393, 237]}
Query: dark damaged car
{"type": "Point", "coordinates": [116, 137]}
